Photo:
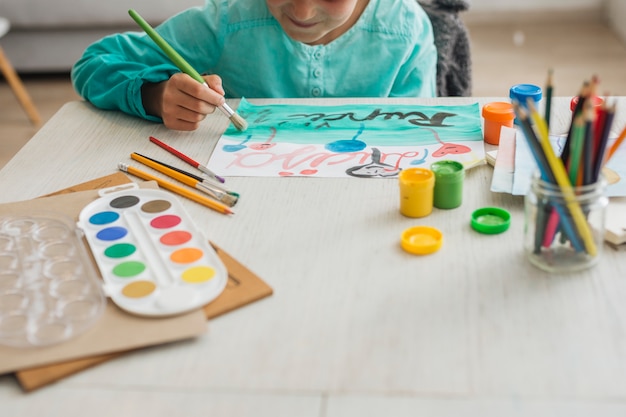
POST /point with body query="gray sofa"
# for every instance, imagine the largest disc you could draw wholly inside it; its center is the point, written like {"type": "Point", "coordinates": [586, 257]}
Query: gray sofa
{"type": "Point", "coordinates": [50, 35]}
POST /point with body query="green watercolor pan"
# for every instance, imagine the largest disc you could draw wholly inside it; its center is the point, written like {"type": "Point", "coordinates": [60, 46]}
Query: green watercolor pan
{"type": "Point", "coordinates": [152, 258]}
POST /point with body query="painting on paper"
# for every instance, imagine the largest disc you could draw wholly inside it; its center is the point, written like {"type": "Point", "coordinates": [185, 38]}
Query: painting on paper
{"type": "Point", "coordinates": [360, 141]}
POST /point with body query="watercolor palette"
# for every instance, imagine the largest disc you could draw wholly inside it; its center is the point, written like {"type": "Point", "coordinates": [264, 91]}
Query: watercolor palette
{"type": "Point", "coordinates": [49, 288]}
{"type": "Point", "coordinates": [152, 258]}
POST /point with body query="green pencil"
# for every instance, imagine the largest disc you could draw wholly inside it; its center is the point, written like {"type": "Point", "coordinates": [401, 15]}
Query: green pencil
{"type": "Point", "coordinates": [578, 137]}
{"type": "Point", "coordinates": [549, 90]}
{"type": "Point", "coordinates": [238, 121]}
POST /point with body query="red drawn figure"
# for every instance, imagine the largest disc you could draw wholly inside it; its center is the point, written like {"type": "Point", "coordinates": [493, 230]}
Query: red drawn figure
{"type": "Point", "coordinates": [448, 148]}
{"type": "Point", "coordinates": [265, 145]}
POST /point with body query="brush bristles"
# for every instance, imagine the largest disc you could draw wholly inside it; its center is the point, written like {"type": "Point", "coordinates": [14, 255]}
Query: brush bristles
{"type": "Point", "coordinates": [228, 199]}
{"type": "Point", "coordinates": [239, 122]}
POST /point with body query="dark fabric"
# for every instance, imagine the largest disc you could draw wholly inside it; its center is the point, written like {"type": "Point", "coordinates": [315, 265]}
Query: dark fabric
{"type": "Point", "coordinates": [454, 63]}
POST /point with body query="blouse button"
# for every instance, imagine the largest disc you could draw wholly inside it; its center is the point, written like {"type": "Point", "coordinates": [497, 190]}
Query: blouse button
{"type": "Point", "coordinates": [316, 92]}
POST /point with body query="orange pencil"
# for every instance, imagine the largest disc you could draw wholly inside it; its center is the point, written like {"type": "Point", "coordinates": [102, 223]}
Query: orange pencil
{"type": "Point", "coordinates": [200, 199]}
{"type": "Point", "coordinates": [616, 144]}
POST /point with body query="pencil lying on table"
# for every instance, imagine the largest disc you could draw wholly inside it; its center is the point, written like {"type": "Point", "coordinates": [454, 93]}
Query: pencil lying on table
{"type": "Point", "coordinates": [219, 195]}
{"type": "Point", "coordinates": [238, 121]}
{"type": "Point", "coordinates": [200, 199]}
{"type": "Point", "coordinates": [207, 182]}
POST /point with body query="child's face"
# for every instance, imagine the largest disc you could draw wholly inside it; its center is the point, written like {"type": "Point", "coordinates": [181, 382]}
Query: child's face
{"type": "Point", "coordinates": [316, 22]}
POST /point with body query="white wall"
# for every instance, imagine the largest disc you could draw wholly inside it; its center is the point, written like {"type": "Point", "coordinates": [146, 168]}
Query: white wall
{"type": "Point", "coordinates": [510, 10]}
{"type": "Point", "coordinates": [534, 5]}
{"type": "Point", "coordinates": [616, 15]}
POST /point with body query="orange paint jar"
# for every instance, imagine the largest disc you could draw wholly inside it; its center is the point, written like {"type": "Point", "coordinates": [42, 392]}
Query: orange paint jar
{"type": "Point", "coordinates": [496, 115]}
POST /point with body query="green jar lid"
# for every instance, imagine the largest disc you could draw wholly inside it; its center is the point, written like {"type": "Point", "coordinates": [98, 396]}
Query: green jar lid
{"type": "Point", "coordinates": [490, 220]}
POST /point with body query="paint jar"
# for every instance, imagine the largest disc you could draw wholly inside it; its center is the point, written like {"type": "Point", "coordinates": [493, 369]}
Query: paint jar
{"type": "Point", "coordinates": [448, 191]}
{"type": "Point", "coordinates": [596, 100]}
{"type": "Point", "coordinates": [416, 191]}
{"type": "Point", "coordinates": [522, 92]}
{"type": "Point", "coordinates": [496, 115]}
{"type": "Point", "coordinates": [564, 228]}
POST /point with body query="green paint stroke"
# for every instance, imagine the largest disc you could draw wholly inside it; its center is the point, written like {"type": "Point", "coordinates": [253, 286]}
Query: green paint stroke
{"type": "Point", "coordinates": [383, 124]}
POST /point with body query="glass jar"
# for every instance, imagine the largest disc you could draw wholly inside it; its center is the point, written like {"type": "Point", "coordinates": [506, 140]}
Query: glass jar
{"type": "Point", "coordinates": [564, 229]}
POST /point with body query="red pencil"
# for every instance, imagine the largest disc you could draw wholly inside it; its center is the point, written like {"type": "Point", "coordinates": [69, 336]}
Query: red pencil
{"type": "Point", "coordinates": [187, 159]}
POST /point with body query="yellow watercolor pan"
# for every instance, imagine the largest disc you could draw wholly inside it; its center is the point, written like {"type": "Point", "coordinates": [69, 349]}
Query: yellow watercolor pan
{"type": "Point", "coordinates": [152, 257]}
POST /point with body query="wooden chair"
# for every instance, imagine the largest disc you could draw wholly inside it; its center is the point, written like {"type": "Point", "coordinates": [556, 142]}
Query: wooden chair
{"type": "Point", "coordinates": [14, 80]}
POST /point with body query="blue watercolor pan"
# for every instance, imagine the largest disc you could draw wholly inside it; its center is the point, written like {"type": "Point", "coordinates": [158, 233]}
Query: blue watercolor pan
{"type": "Point", "coordinates": [153, 260]}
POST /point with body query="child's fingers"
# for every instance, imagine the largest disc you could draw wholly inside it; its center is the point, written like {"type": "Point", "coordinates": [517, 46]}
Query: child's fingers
{"type": "Point", "coordinates": [215, 82]}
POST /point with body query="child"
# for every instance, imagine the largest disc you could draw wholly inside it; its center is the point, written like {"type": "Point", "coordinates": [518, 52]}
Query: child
{"type": "Point", "coordinates": [263, 48]}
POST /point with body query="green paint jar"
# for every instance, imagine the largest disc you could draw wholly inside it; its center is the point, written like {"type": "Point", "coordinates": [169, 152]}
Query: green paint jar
{"type": "Point", "coordinates": [449, 176]}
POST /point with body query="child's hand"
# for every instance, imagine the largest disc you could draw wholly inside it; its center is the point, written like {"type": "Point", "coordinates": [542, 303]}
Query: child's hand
{"type": "Point", "coordinates": [183, 102]}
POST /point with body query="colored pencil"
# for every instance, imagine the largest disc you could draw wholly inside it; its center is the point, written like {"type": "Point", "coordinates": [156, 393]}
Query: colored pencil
{"type": "Point", "coordinates": [198, 198]}
{"type": "Point", "coordinates": [549, 92]}
{"type": "Point", "coordinates": [238, 121]}
{"type": "Point", "coordinates": [616, 145]}
{"type": "Point", "coordinates": [187, 159]}
{"type": "Point", "coordinates": [558, 170]}
{"type": "Point", "coordinates": [582, 97]}
{"type": "Point", "coordinates": [603, 140]}
{"type": "Point", "coordinates": [185, 179]}
{"type": "Point", "coordinates": [588, 144]}
{"type": "Point", "coordinates": [578, 137]}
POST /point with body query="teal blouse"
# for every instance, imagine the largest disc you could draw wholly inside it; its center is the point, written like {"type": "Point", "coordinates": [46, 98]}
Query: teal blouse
{"type": "Point", "coordinates": [389, 52]}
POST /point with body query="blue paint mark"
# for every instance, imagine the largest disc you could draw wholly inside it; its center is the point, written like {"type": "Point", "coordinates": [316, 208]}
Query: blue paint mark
{"type": "Point", "coordinates": [238, 147]}
{"type": "Point", "coordinates": [420, 161]}
{"type": "Point", "coordinates": [345, 146]}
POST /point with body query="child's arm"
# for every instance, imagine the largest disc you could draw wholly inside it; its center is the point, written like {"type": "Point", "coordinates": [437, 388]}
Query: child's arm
{"type": "Point", "coordinates": [112, 72]}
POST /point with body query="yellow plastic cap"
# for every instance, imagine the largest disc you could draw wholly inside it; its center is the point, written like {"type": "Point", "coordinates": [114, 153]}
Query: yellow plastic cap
{"type": "Point", "coordinates": [421, 240]}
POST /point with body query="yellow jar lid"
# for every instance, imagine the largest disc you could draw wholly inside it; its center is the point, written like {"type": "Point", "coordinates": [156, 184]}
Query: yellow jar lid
{"type": "Point", "coordinates": [421, 240]}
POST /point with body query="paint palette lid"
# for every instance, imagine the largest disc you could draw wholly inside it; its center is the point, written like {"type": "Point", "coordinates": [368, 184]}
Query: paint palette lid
{"type": "Point", "coordinates": [421, 240]}
{"type": "Point", "coordinates": [152, 257]}
{"type": "Point", "coordinates": [490, 220]}
{"type": "Point", "coordinates": [49, 288]}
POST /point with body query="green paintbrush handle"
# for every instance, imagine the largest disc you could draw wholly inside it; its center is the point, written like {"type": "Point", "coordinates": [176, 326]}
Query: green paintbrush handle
{"type": "Point", "coordinates": [178, 60]}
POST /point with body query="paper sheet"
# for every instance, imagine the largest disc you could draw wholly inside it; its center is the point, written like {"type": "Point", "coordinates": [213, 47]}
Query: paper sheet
{"type": "Point", "coordinates": [504, 168]}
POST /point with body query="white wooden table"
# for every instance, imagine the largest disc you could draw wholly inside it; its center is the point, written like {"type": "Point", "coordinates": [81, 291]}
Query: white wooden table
{"type": "Point", "coordinates": [356, 326]}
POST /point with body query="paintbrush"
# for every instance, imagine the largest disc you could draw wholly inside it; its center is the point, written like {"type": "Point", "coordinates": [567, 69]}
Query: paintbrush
{"type": "Point", "coordinates": [237, 121]}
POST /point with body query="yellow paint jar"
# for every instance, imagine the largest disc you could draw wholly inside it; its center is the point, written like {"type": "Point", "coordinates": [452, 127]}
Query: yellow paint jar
{"type": "Point", "coordinates": [416, 191]}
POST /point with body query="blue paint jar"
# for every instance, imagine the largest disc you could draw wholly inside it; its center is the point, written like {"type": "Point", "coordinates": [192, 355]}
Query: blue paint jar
{"type": "Point", "coordinates": [522, 92]}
